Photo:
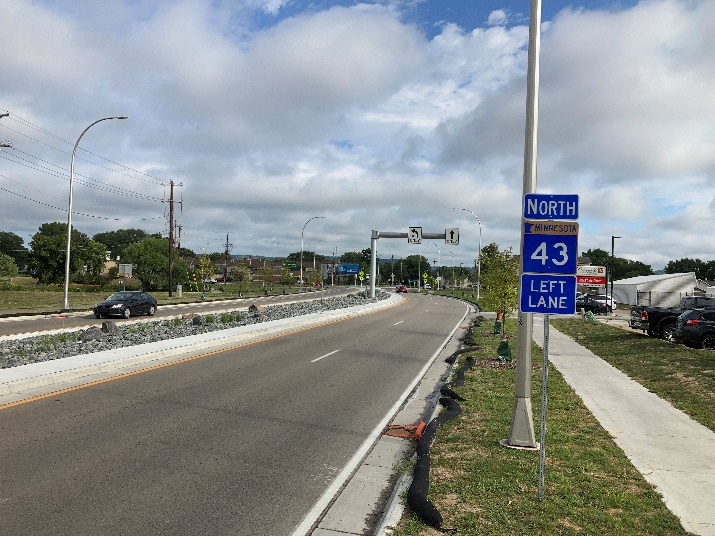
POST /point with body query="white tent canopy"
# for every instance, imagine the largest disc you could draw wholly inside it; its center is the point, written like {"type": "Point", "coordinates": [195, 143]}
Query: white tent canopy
{"type": "Point", "coordinates": [662, 290]}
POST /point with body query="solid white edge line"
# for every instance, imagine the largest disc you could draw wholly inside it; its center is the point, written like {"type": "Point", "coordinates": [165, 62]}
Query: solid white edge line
{"type": "Point", "coordinates": [326, 355]}
{"type": "Point", "coordinates": [322, 504]}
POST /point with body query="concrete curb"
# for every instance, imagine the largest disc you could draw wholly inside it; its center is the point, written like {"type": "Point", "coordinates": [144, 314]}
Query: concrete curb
{"type": "Point", "coordinates": [16, 380]}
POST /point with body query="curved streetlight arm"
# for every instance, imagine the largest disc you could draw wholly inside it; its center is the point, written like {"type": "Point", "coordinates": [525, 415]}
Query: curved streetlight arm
{"type": "Point", "coordinates": [301, 248]}
{"type": "Point", "coordinates": [479, 253]}
{"type": "Point", "coordinates": [65, 302]}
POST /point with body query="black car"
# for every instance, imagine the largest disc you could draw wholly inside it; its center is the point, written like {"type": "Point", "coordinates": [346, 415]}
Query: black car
{"type": "Point", "coordinates": [696, 328]}
{"type": "Point", "coordinates": [587, 303]}
{"type": "Point", "coordinates": [126, 303]}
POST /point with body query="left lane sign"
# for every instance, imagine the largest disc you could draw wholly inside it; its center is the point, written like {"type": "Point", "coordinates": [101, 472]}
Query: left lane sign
{"type": "Point", "coordinates": [548, 294]}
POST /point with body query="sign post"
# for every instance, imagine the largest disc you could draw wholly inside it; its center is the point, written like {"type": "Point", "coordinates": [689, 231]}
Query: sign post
{"type": "Point", "coordinates": [548, 277]}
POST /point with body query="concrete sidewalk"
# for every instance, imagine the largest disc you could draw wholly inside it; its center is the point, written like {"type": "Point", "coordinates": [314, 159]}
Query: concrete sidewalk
{"type": "Point", "coordinates": [673, 452]}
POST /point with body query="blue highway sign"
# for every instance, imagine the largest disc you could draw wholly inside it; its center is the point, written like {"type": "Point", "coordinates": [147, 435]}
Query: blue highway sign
{"type": "Point", "coordinates": [550, 207]}
{"type": "Point", "coordinates": [348, 269]}
{"type": "Point", "coordinates": [548, 294]}
{"type": "Point", "coordinates": [550, 247]}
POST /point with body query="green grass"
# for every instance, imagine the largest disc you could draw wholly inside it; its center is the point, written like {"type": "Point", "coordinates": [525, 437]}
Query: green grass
{"type": "Point", "coordinates": [683, 376]}
{"type": "Point", "coordinates": [482, 488]}
{"type": "Point", "coordinates": [25, 293]}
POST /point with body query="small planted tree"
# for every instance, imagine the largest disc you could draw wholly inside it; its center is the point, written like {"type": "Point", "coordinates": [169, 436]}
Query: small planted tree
{"type": "Point", "coordinates": [501, 281]}
{"type": "Point", "coordinates": [8, 268]}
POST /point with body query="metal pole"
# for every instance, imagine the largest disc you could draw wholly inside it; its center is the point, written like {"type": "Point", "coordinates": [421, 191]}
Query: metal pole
{"type": "Point", "coordinates": [610, 272]}
{"type": "Point", "coordinates": [544, 400]}
{"type": "Point", "coordinates": [521, 429]}
{"type": "Point", "coordinates": [373, 261]}
{"type": "Point", "coordinates": [301, 249]}
{"type": "Point", "coordinates": [479, 252]}
{"type": "Point", "coordinates": [65, 301]}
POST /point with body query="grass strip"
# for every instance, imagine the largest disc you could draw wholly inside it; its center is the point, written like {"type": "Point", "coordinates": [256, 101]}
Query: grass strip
{"type": "Point", "coordinates": [683, 376]}
{"type": "Point", "coordinates": [482, 488]}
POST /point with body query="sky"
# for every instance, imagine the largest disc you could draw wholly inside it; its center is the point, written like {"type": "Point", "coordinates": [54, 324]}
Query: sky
{"type": "Point", "coordinates": [284, 123]}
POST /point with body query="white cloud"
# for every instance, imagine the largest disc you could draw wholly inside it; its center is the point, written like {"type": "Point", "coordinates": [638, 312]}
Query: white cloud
{"type": "Point", "coordinates": [497, 17]}
{"type": "Point", "coordinates": [353, 114]}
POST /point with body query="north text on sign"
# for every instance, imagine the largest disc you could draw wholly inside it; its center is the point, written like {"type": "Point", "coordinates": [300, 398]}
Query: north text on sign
{"type": "Point", "coordinates": [551, 208]}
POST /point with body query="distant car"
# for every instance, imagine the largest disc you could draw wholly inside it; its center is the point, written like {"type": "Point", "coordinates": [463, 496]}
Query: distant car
{"type": "Point", "coordinates": [587, 303]}
{"type": "Point", "coordinates": [696, 328]}
{"type": "Point", "coordinates": [602, 298]}
{"type": "Point", "coordinates": [126, 303]}
{"type": "Point", "coordinates": [428, 286]}
{"type": "Point", "coordinates": [610, 301]}
{"type": "Point", "coordinates": [210, 280]}
{"type": "Point", "coordinates": [401, 288]}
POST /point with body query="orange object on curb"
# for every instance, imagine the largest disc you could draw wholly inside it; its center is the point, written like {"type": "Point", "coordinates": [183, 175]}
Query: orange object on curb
{"type": "Point", "coordinates": [405, 431]}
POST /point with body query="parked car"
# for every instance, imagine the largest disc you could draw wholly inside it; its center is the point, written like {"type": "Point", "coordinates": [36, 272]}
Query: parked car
{"type": "Point", "coordinates": [660, 321]}
{"type": "Point", "coordinates": [602, 298]}
{"type": "Point", "coordinates": [126, 303]}
{"type": "Point", "coordinates": [401, 288]}
{"type": "Point", "coordinates": [210, 280]}
{"type": "Point", "coordinates": [588, 303]}
{"type": "Point", "coordinates": [696, 328]}
{"type": "Point", "coordinates": [610, 301]}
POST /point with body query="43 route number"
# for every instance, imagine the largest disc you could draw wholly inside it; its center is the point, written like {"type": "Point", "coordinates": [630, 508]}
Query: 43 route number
{"type": "Point", "coordinates": [541, 254]}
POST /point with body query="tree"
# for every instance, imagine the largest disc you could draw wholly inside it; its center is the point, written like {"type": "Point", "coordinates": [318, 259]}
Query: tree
{"type": "Point", "coordinates": [287, 277]}
{"type": "Point", "coordinates": [116, 241]}
{"type": "Point", "coordinates": [8, 268]}
{"type": "Point", "coordinates": [241, 273]}
{"type": "Point", "coordinates": [489, 252]}
{"type": "Point", "coordinates": [13, 245]}
{"type": "Point", "coordinates": [414, 266]}
{"type": "Point", "coordinates": [501, 281]}
{"type": "Point", "coordinates": [702, 269]}
{"type": "Point", "coordinates": [619, 268]}
{"type": "Point", "coordinates": [206, 268]}
{"type": "Point", "coordinates": [266, 273]}
{"type": "Point", "coordinates": [48, 251]}
{"type": "Point", "coordinates": [150, 259]}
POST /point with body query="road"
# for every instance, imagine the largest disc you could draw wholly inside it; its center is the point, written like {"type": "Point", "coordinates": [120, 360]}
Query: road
{"type": "Point", "coordinates": [241, 442]}
{"type": "Point", "coordinates": [40, 323]}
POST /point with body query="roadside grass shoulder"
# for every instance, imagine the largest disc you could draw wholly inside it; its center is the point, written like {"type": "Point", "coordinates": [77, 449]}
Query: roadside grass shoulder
{"type": "Point", "coordinates": [482, 488]}
{"type": "Point", "coordinates": [683, 376]}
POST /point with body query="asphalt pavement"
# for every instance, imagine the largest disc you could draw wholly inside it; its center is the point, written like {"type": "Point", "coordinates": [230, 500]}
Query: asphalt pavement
{"type": "Point", "coordinates": [672, 452]}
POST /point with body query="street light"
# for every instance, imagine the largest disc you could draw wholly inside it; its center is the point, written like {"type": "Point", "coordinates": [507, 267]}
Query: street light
{"type": "Point", "coordinates": [65, 303]}
{"type": "Point", "coordinates": [613, 244]}
{"type": "Point", "coordinates": [479, 253]}
{"type": "Point", "coordinates": [301, 249]}
{"type": "Point", "coordinates": [314, 250]}
{"type": "Point", "coordinates": [5, 143]}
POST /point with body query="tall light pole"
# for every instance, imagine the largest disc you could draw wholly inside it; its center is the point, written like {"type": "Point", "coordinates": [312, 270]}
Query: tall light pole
{"type": "Point", "coordinates": [65, 302]}
{"type": "Point", "coordinates": [438, 263]}
{"type": "Point", "coordinates": [479, 252]}
{"type": "Point", "coordinates": [610, 272]}
{"type": "Point", "coordinates": [521, 428]}
{"type": "Point", "coordinates": [453, 262]}
{"type": "Point", "coordinates": [314, 250]}
{"type": "Point", "coordinates": [301, 249]}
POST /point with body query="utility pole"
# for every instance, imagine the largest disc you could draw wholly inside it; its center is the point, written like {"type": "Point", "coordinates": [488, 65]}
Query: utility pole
{"type": "Point", "coordinates": [225, 265]}
{"type": "Point", "coordinates": [171, 235]}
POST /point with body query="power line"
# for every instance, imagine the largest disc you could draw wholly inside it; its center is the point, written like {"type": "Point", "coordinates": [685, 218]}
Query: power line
{"type": "Point", "coordinates": [28, 124]}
